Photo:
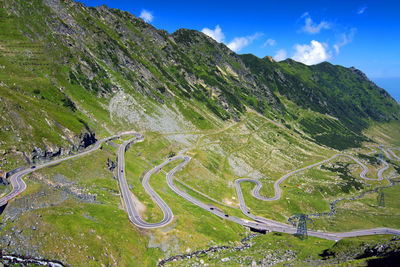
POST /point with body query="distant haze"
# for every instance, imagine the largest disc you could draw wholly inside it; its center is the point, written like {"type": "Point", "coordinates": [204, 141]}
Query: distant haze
{"type": "Point", "coordinates": [392, 85]}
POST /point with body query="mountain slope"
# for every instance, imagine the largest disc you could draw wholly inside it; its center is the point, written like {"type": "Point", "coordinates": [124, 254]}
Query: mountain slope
{"type": "Point", "coordinates": [343, 93]}
{"type": "Point", "coordinates": [89, 58]}
{"type": "Point", "coordinates": [71, 74]}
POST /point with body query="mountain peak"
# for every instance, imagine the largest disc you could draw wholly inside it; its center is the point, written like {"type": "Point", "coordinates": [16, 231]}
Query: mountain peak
{"type": "Point", "coordinates": [360, 74]}
{"type": "Point", "coordinates": [270, 59]}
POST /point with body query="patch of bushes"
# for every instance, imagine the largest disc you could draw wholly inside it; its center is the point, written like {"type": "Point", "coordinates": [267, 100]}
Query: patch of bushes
{"type": "Point", "coordinates": [348, 182]}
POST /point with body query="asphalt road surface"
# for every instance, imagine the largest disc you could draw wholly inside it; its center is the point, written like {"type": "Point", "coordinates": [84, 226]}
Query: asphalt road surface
{"type": "Point", "coordinates": [130, 205]}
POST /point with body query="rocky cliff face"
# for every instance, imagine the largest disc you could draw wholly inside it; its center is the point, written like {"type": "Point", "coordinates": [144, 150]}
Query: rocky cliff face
{"type": "Point", "coordinates": [87, 139]}
{"type": "Point", "coordinates": [83, 141]}
{"type": "Point", "coordinates": [3, 177]}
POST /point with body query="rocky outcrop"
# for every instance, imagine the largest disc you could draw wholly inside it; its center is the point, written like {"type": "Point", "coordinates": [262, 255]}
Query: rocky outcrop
{"type": "Point", "coordinates": [204, 252]}
{"type": "Point", "coordinates": [87, 139]}
{"type": "Point", "coordinates": [84, 140]}
{"type": "Point", "coordinates": [46, 154]}
{"type": "Point", "coordinates": [270, 59]}
{"type": "Point", "coordinates": [360, 74]}
{"type": "Point", "coordinates": [111, 165]}
{"type": "Point", "coordinates": [3, 176]}
{"type": "Point", "coordinates": [375, 253]}
{"type": "Point", "coordinates": [11, 260]}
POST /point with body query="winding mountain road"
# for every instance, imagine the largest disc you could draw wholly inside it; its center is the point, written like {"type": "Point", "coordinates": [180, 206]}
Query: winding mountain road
{"type": "Point", "coordinates": [262, 223]}
{"type": "Point", "coordinates": [278, 191]}
{"type": "Point", "coordinates": [130, 206]}
{"type": "Point", "coordinates": [258, 223]}
{"type": "Point", "coordinates": [18, 185]}
{"type": "Point", "coordinates": [394, 154]}
{"type": "Point", "coordinates": [389, 152]}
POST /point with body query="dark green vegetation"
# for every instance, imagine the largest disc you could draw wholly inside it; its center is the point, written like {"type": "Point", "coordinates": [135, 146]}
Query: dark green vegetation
{"type": "Point", "coordinates": [345, 94]}
{"type": "Point", "coordinates": [348, 181]}
{"type": "Point", "coordinates": [371, 159]}
{"type": "Point", "coordinates": [70, 74]}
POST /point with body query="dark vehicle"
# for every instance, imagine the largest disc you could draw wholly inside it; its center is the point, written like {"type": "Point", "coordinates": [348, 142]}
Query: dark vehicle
{"type": "Point", "coordinates": [33, 167]}
{"type": "Point", "coordinates": [226, 215]}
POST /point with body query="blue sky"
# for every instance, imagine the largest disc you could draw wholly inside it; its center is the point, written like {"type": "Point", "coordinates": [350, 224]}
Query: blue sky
{"type": "Point", "coordinates": [364, 34]}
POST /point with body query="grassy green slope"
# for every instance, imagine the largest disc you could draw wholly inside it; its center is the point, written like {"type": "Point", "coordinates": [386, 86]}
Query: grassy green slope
{"type": "Point", "coordinates": [70, 69]}
{"type": "Point", "coordinates": [345, 94]}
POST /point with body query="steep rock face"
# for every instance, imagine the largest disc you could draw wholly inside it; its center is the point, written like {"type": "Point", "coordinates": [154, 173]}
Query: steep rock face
{"type": "Point", "coordinates": [3, 177]}
{"type": "Point", "coordinates": [39, 154]}
{"type": "Point", "coordinates": [83, 141]}
{"type": "Point", "coordinates": [87, 139]}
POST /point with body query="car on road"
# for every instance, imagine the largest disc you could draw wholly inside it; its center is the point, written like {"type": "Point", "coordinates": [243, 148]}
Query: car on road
{"type": "Point", "coordinates": [33, 167]}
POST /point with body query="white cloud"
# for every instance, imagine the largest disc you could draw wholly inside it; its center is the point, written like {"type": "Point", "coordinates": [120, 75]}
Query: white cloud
{"type": "Point", "coordinates": [305, 14]}
{"type": "Point", "coordinates": [337, 48]}
{"type": "Point", "coordinates": [311, 54]}
{"type": "Point", "coordinates": [311, 27]}
{"type": "Point", "coordinates": [239, 43]}
{"type": "Point", "coordinates": [345, 39]}
{"type": "Point", "coordinates": [270, 42]}
{"type": "Point", "coordinates": [146, 15]}
{"type": "Point", "coordinates": [361, 10]}
{"type": "Point", "coordinates": [280, 55]}
{"type": "Point", "coordinates": [216, 34]}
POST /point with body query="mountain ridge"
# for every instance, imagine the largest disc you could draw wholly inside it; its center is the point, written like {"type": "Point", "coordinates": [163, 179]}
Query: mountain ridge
{"type": "Point", "coordinates": [96, 53]}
